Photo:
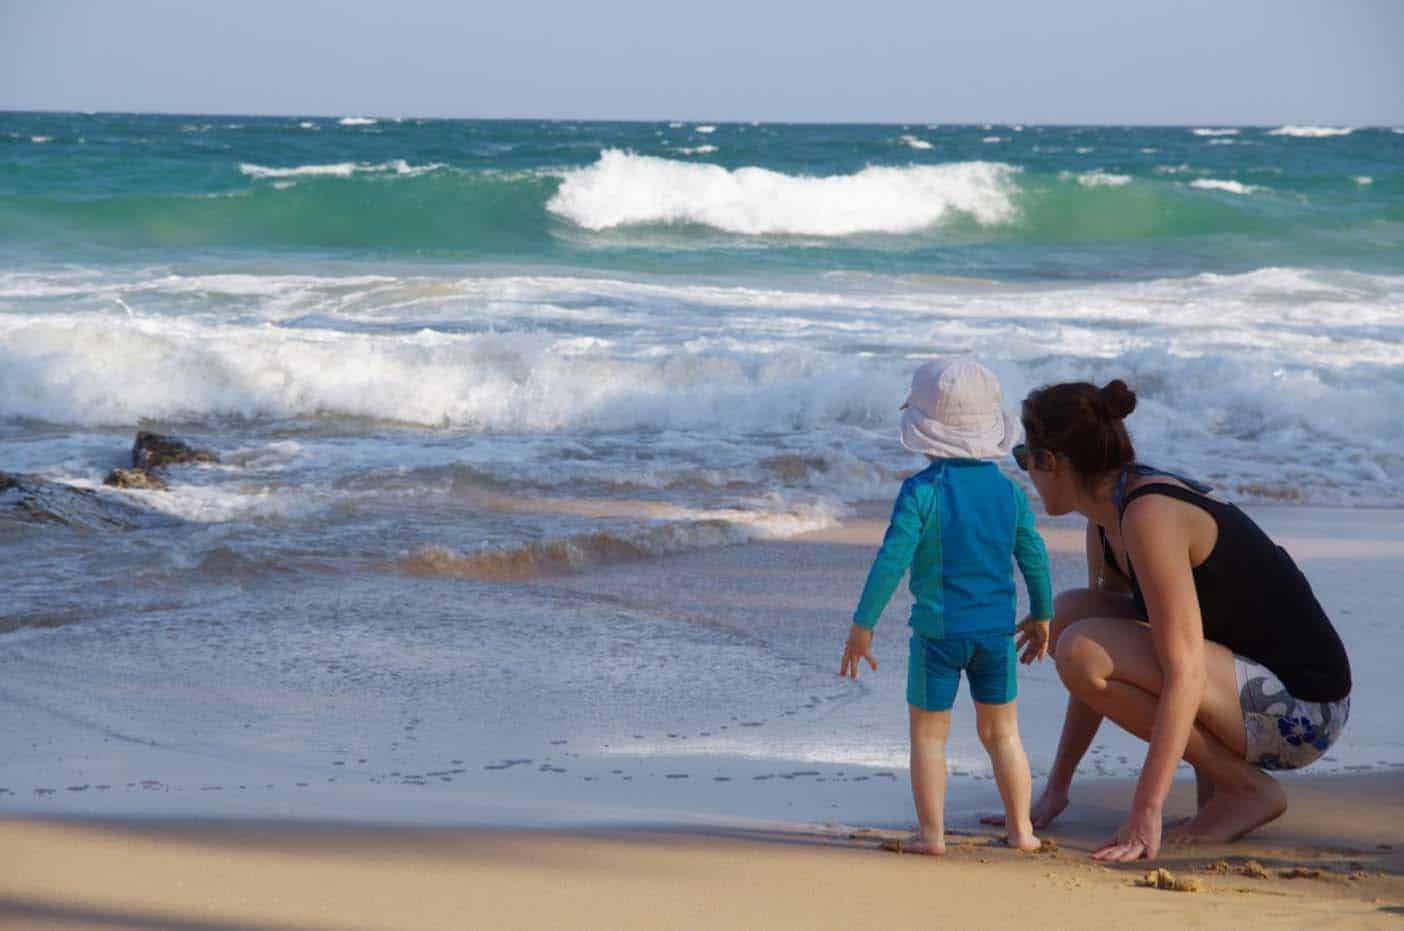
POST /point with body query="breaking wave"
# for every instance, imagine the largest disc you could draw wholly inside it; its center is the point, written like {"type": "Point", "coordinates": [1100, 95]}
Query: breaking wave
{"type": "Point", "coordinates": [624, 189]}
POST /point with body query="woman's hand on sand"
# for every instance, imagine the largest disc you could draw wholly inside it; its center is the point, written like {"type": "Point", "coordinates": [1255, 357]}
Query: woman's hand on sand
{"type": "Point", "coordinates": [858, 647]}
{"type": "Point", "coordinates": [1138, 838]}
{"type": "Point", "coordinates": [1032, 641]}
{"type": "Point", "coordinates": [1048, 807]}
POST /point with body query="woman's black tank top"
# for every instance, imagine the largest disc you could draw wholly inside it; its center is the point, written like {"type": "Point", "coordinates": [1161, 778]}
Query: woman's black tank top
{"type": "Point", "coordinates": [1254, 600]}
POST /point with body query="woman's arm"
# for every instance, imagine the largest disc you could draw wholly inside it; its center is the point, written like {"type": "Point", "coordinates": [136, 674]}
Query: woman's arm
{"type": "Point", "coordinates": [1158, 532]}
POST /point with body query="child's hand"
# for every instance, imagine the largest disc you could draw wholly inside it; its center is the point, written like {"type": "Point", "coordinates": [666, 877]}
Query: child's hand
{"type": "Point", "coordinates": [1032, 640]}
{"type": "Point", "coordinates": [859, 646]}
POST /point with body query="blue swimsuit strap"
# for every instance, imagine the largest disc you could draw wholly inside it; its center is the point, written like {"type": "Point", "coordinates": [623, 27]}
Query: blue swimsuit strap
{"type": "Point", "coordinates": [1139, 470]}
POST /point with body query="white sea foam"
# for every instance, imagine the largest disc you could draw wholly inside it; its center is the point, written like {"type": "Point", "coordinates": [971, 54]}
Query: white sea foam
{"type": "Point", "coordinates": [307, 124]}
{"type": "Point", "coordinates": [40, 139]}
{"type": "Point", "coordinates": [1085, 149]}
{"type": "Point", "coordinates": [1223, 141]}
{"type": "Point", "coordinates": [1215, 132]}
{"type": "Point", "coordinates": [914, 142]}
{"type": "Point", "coordinates": [992, 139]}
{"type": "Point", "coordinates": [339, 170]}
{"type": "Point", "coordinates": [675, 125]}
{"type": "Point", "coordinates": [698, 150]}
{"type": "Point", "coordinates": [705, 130]}
{"type": "Point", "coordinates": [1311, 132]}
{"type": "Point", "coordinates": [623, 189]}
{"type": "Point", "coordinates": [1097, 178]}
{"type": "Point", "coordinates": [1282, 379]}
{"type": "Point", "coordinates": [1233, 187]}
{"type": "Point", "coordinates": [357, 121]}
{"type": "Point", "coordinates": [1363, 180]}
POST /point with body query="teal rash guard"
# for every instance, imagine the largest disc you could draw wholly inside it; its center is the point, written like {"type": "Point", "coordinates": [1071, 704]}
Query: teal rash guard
{"type": "Point", "coordinates": [956, 524]}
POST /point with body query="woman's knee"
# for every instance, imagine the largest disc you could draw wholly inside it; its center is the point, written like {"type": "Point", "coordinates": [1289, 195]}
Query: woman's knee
{"type": "Point", "coordinates": [1069, 607]}
{"type": "Point", "coordinates": [1081, 658]}
{"type": "Point", "coordinates": [1077, 604]}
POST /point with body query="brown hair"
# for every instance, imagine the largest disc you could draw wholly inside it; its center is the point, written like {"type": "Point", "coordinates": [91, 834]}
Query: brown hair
{"type": "Point", "coordinates": [1084, 423]}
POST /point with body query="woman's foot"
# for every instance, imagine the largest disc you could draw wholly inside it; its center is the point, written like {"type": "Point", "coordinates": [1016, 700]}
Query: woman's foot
{"type": "Point", "coordinates": [1048, 807]}
{"type": "Point", "coordinates": [1227, 816]}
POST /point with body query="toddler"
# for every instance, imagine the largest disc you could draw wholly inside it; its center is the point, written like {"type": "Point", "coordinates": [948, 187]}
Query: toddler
{"type": "Point", "coordinates": [955, 525]}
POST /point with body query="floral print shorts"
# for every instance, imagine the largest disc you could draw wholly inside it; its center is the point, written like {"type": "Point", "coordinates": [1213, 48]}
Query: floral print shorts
{"type": "Point", "coordinates": [1284, 732]}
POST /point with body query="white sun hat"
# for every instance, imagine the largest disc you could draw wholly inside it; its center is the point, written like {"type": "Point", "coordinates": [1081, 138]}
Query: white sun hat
{"type": "Point", "coordinates": [956, 410]}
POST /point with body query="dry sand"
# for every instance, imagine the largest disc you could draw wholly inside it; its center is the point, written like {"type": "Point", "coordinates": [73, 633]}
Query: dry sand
{"type": "Point", "coordinates": [240, 874]}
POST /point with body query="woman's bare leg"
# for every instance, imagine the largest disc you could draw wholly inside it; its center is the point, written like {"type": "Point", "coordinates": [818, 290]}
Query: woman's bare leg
{"type": "Point", "coordinates": [929, 730]}
{"type": "Point", "coordinates": [1111, 666]}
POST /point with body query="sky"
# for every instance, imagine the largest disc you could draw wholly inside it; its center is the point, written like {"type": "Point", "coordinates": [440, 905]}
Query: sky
{"type": "Point", "coordinates": [1032, 61]}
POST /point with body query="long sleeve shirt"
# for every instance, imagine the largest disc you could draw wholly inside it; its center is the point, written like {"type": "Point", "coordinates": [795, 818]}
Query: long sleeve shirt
{"type": "Point", "coordinates": [956, 525]}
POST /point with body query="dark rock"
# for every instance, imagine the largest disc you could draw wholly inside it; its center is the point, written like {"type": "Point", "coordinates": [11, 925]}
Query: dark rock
{"type": "Point", "coordinates": [135, 478]}
{"type": "Point", "coordinates": [153, 451]}
{"type": "Point", "coordinates": [35, 500]}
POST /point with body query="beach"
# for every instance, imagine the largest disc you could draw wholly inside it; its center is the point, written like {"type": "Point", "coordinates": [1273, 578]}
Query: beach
{"type": "Point", "coordinates": [525, 474]}
{"type": "Point", "coordinates": [672, 846]}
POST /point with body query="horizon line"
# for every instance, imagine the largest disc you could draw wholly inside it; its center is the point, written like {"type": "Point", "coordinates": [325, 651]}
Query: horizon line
{"type": "Point", "coordinates": [750, 122]}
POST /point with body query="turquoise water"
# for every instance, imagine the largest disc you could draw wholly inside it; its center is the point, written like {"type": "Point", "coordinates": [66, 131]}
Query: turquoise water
{"type": "Point", "coordinates": [995, 201]}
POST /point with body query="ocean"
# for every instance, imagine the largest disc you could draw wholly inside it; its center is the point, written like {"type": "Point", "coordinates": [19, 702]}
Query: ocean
{"type": "Point", "coordinates": [447, 363]}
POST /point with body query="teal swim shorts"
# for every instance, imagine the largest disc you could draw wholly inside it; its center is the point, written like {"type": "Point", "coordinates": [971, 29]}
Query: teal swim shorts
{"type": "Point", "coordinates": [934, 667]}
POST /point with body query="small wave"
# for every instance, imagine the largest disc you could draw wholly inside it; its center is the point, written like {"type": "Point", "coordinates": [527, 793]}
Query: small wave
{"type": "Point", "coordinates": [357, 121]}
{"type": "Point", "coordinates": [339, 170]}
{"type": "Point", "coordinates": [993, 139]}
{"type": "Point", "coordinates": [698, 150]}
{"type": "Point", "coordinates": [1215, 132]}
{"type": "Point", "coordinates": [624, 189]}
{"type": "Point", "coordinates": [705, 130]}
{"type": "Point", "coordinates": [1233, 187]}
{"type": "Point", "coordinates": [1311, 132]}
{"type": "Point", "coordinates": [41, 139]}
{"type": "Point", "coordinates": [307, 124]}
{"type": "Point", "coordinates": [1097, 178]}
{"type": "Point", "coordinates": [570, 554]}
{"type": "Point", "coordinates": [1223, 142]}
{"type": "Point", "coordinates": [914, 142]}
{"type": "Point", "coordinates": [1363, 180]}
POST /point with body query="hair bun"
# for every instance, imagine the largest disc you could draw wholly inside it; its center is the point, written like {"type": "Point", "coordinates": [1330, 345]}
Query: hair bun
{"type": "Point", "coordinates": [1119, 399]}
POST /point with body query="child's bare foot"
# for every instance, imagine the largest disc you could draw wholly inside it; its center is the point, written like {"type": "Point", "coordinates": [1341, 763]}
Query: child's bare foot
{"type": "Point", "coordinates": [1023, 842]}
{"type": "Point", "coordinates": [929, 846]}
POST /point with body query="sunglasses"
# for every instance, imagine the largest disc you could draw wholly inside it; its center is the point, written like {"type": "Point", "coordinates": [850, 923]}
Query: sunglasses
{"type": "Point", "coordinates": [1025, 458]}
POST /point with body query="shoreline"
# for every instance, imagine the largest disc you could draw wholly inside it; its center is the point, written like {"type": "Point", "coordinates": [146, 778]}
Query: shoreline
{"type": "Point", "coordinates": [519, 848]}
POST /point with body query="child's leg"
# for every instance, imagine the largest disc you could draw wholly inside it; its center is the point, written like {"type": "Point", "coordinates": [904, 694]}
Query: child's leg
{"type": "Point", "coordinates": [929, 730]}
{"type": "Point", "coordinates": [998, 726]}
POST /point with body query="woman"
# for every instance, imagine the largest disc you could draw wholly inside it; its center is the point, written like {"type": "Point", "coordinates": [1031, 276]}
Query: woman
{"type": "Point", "coordinates": [1196, 632]}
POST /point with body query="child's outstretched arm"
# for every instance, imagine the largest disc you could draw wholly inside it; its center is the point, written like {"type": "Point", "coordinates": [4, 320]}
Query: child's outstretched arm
{"type": "Point", "coordinates": [891, 563]}
{"type": "Point", "coordinates": [1032, 557]}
